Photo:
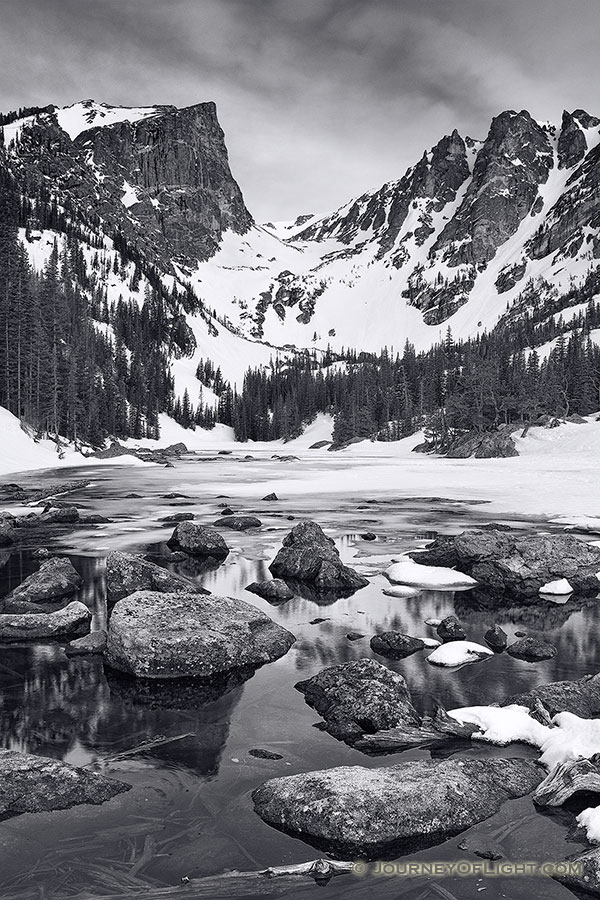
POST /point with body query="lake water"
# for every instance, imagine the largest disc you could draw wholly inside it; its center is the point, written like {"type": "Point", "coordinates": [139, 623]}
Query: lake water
{"type": "Point", "coordinates": [189, 812]}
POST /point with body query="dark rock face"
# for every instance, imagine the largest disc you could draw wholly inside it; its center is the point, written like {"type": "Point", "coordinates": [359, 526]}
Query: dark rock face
{"type": "Point", "coordinates": [572, 145]}
{"type": "Point", "coordinates": [484, 445]}
{"type": "Point", "coordinates": [239, 523]}
{"type": "Point", "coordinates": [275, 591]}
{"type": "Point", "coordinates": [56, 578]}
{"type": "Point", "coordinates": [532, 650]}
{"type": "Point", "coordinates": [71, 621]}
{"type": "Point", "coordinates": [198, 540]}
{"type": "Point", "coordinates": [307, 555]}
{"type": "Point", "coordinates": [580, 697]}
{"type": "Point", "coordinates": [359, 697]}
{"type": "Point", "coordinates": [496, 639]}
{"type": "Point", "coordinates": [517, 564]}
{"type": "Point", "coordinates": [126, 574]}
{"type": "Point", "coordinates": [7, 534]}
{"type": "Point", "coordinates": [89, 645]}
{"type": "Point", "coordinates": [450, 629]}
{"type": "Point", "coordinates": [187, 635]}
{"type": "Point", "coordinates": [351, 811]}
{"type": "Point", "coordinates": [395, 645]}
{"type": "Point", "coordinates": [30, 784]}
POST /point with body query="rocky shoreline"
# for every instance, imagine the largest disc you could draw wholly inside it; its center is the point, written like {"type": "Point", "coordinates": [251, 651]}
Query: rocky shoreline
{"type": "Point", "coordinates": [168, 637]}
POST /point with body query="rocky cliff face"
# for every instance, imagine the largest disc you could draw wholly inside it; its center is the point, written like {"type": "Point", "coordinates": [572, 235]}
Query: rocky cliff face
{"type": "Point", "coordinates": [162, 179]}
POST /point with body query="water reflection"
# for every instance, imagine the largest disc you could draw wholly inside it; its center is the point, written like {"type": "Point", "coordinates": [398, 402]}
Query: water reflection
{"type": "Point", "coordinates": [195, 792]}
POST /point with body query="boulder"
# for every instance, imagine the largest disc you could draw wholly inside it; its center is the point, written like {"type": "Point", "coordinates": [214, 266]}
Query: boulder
{"type": "Point", "coordinates": [359, 697]}
{"type": "Point", "coordinates": [581, 873]}
{"type": "Point", "coordinates": [496, 638]}
{"type": "Point", "coordinates": [517, 564]}
{"type": "Point", "coordinates": [275, 591]}
{"type": "Point", "coordinates": [580, 697]}
{"type": "Point", "coordinates": [307, 555]}
{"type": "Point", "coordinates": [395, 645]}
{"type": "Point", "coordinates": [126, 574]}
{"type": "Point", "coordinates": [351, 811]}
{"type": "Point", "coordinates": [484, 445]}
{"type": "Point", "coordinates": [188, 635]}
{"type": "Point", "coordinates": [56, 578]}
{"type": "Point", "coordinates": [239, 523]}
{"type": "Point", "coordinates": [271, 496]}
{"type": "Point", "coordinates": [71, 621]}
{"type": "Point", "coordinates": [368, 536]}
{"type": "Point", "coordinates": [450, 629]}
{"type": "Point", "coordinates": [92, 644]}
{"type": "Point", "coordinates": [532, 650]}
{"type": "Point", "coordinates": [198, 540]}
{"type": "Point", "coordinates": [31, 784]}
{"type": "Point", "coordinates": [227, 511]}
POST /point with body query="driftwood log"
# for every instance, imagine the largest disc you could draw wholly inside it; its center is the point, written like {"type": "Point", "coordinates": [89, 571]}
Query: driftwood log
{"type": "Point", "coordinates": [436, 731]}
{"type": "Point", "coordinates": [566, 779]}
{"type": "Point", "coordinates": [276, 881]}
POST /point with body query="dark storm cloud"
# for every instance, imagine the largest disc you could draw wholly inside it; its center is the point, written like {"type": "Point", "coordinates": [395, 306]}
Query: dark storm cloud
{"type": "Point", "coordinates": [320, 99]}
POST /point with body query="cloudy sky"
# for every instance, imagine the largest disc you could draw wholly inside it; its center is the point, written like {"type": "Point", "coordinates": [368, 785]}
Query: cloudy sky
{"type": "Point", "coordinates": [319, 99]}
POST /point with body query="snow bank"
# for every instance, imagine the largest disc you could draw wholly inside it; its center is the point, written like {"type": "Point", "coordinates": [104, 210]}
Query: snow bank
{"type": "Point", "coordinates": [458, 653]}
{"type": "Point", "coordinates": [570, 737]}
{"type": "Point", "coordinates": [433, 577]}
{"type": "Point", "coordinates": [589, 819]}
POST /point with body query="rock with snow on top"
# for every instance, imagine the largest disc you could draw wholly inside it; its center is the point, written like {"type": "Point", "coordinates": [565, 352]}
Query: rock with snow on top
{"type": "Point", "coordinates": [458, 653]}
{"type": "Point", "coordinates": [434, 577]}
{"type": "Point", "coordinates": [402, 590]}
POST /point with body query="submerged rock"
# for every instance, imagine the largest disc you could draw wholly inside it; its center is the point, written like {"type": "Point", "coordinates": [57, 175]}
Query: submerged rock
{"type": "Point", "coordinates": [71, 621]}
{"type": "Point", "coordinates": [56, 578]}
{"type": "Point", "coordinates": [188, 635]}
{"type": "Point", "coordinates": [126, 574]}
{"type": "Point", "coordinates": [395, 645]}
{"type": "Point", "coordinates": [353, 811]}
{"type": "Point", "coordinates": [275, 591]}
{"type": "Point", "coordinates": [239, 523]}
{"type": "Point", "coordinates": [506, 562]}
{"type": "Point", "coordinates": [198, 540]}
{"type": "Point", "coordinates": [532, 650]}
{"type": "Point", "coordinates": [31, 784]}
{"type": "Point", "coordinates": [308, 555]}
{"type": "Point", "coordinates": [359, 697]}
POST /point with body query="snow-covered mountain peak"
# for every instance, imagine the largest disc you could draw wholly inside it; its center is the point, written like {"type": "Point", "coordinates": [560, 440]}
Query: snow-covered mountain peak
{"type": "Point", "coordinates": [86, 114]}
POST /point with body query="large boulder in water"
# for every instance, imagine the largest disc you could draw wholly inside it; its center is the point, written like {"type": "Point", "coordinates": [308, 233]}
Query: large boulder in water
{"type": "Point", "coordinates": [30, 784]}
{"type": "Point", "coordinates": [274, 591]}
{"type": "Point", "coordinates": [198, 540]}
{"type": "Point", "coordinates": [396, 645]}
{"type": "Point", "coordinates": [187, 635]}
{"type": "Point", "coordinates": [359, 697]}
{"type": "Point", "coordinates": [309, 556]}
{"type": "Point", "coordinates": [352, 811]}
{"type": "Point", "coordinates": [71, 621]}
{"type": "Point", "coordinates": [582, 697]}
{"type": "Point", "coordinates": [126, 574]}
{"type": "Point", "coordinates": [239, 523]}
{"type": "Point", "coordinates": [56, 578]}
{"type": "Point", "coordinates": [507, 562]}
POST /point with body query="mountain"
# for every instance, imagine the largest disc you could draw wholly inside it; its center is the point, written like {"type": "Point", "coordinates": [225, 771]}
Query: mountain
{"type": "Point", "coordinates": [162, 248]}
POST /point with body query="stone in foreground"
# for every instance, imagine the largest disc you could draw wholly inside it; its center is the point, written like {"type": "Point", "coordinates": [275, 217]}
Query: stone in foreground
{"type": "Point", "coordinates": [359, 697]}
{"type": "Point", "coordinates": [580, 697]}
{"type": "Point", "coordinates": [353, 811]}
{"type": "Point", "coordinates": [507, 562]}
{"type": "Point", "coordinates": [126, 574]}
{"type": "Point", "coordinates": [309, 556]}
{"type": "Point", "coordinates": [92, 644]}
{"type": "Point", "coordinates": [581, 873]}
{"type": "Point", "coordinates": [56, 578]}
{"type": "Point", "coordinates": [71, 621]}
{"type": "Point", "coordinates": [30, 784]}
{"type": "Point", "coordinates": [188, 635]}
{"type": "Point", "coordinates": [198, 540]}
